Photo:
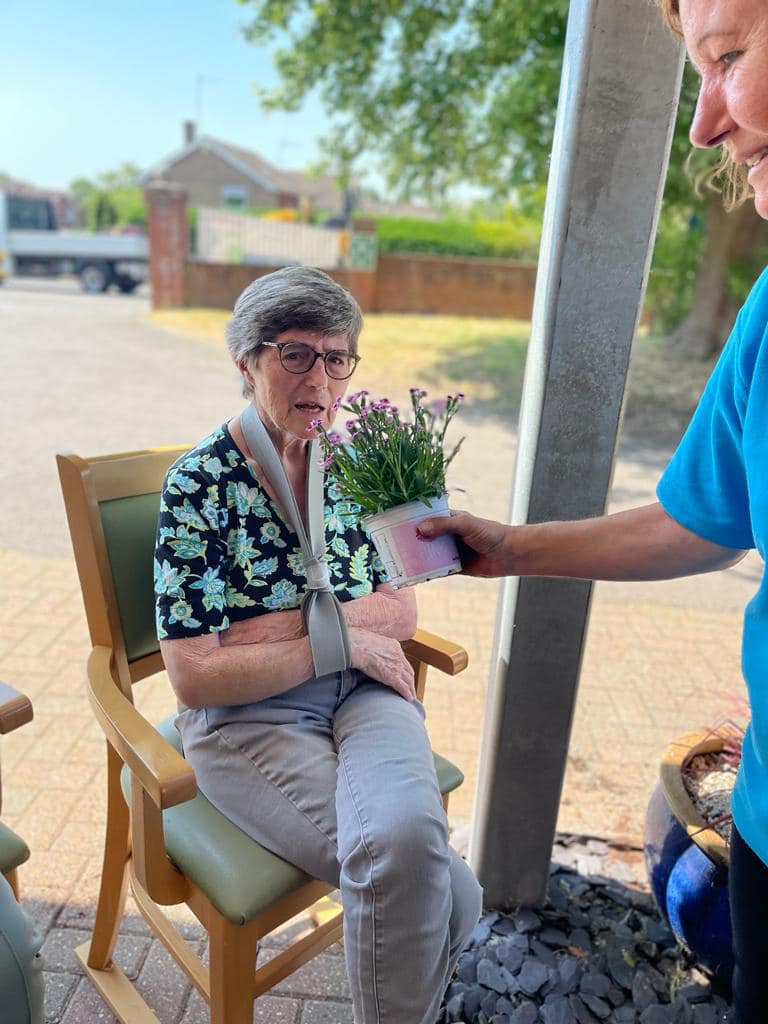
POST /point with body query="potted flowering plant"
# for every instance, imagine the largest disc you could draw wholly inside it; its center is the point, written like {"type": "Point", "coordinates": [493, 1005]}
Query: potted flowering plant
{"type": "Point", "coordinates": [394, 469]}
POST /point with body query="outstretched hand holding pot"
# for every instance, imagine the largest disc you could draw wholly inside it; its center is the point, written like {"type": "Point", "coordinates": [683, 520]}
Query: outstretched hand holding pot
{"type": "Point", "coordinates": [481, 542]}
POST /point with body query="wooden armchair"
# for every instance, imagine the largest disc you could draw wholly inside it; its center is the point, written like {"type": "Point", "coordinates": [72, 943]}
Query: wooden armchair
{"type": "Point", "coordinates": [162, 835]}
{"type": "Point", "coordinates": [21, 977]}
{"type": "Point", "coordinates": [15, 710]}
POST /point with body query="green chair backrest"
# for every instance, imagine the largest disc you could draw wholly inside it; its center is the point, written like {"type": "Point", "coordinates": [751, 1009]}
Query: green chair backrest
{"type": "Point", "coordinates": [130, 526]}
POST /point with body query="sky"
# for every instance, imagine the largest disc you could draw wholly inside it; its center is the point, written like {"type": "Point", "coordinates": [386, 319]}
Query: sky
{"type": "Point", "coordinates": [87, 86]}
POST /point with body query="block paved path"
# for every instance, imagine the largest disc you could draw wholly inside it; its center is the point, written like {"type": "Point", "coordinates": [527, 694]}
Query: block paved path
{"type": "Point", "coordinates": [92, 374]}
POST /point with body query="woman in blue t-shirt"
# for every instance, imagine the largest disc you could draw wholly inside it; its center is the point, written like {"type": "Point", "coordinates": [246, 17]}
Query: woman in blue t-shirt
{"type": "Point", "coordinates": [713, 497]}
{"type": "Point", "coordinates": [334, 773]}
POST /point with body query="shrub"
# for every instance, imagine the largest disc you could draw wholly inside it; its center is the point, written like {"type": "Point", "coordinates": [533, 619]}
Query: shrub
{"type": "Point", "coordinates": [514, 237]}
{"type": "Point", "coordinates": [676, 258]}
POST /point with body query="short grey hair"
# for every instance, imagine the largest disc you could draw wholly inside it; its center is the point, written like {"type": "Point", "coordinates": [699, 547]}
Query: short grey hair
{"type": "Point", "coordinates": [293, 297]}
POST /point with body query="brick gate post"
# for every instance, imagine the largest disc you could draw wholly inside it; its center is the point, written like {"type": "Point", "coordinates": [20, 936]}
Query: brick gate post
{"type": "Point", "coordinates": [168, 242]}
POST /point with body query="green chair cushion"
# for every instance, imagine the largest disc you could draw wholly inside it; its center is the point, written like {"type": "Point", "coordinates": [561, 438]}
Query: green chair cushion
{"type": "Point", "coordinates": [13, 850]}
{"type": "Point", "coordinates": [239, 877]}
{"type": "Point", "coordinates": [129, 526]}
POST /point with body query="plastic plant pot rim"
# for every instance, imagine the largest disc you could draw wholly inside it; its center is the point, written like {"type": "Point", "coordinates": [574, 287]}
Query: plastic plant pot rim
{"type": "Point", "coordinates": [407, 511]}
{"type": "Point", "coordinates": [698, 741]}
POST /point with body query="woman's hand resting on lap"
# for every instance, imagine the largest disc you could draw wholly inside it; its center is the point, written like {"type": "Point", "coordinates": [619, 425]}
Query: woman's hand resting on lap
{"type": "Point", "coordinates": [382, 658]}
{"type": "Point", "coordinates": [378, 656]}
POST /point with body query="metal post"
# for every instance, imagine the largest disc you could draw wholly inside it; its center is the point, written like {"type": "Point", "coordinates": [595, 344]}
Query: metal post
{"type": "Point", "coordinates": [618, 99]}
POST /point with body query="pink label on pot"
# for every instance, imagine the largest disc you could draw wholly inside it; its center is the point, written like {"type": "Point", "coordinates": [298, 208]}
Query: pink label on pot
{"type": "Point", "coordinates": [418, 556]}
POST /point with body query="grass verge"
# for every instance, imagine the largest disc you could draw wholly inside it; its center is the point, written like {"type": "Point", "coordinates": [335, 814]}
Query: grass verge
{"type": "Point", "coordinates": [485, 358]}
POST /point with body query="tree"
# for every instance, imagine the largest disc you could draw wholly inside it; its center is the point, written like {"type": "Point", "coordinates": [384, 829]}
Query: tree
{"type": "Point", "coordinates": [451, 92]}
{"type": "Point", "coordinates": [112, 198]}
{"type": "Point", "coordinates": [466, 91]}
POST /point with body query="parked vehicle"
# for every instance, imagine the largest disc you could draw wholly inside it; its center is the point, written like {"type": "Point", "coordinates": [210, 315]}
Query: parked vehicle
{"type": "Point", "coordinates": [31, 244]}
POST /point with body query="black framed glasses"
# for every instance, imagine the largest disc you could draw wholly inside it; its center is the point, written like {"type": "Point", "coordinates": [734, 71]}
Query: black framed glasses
{"type": "Point", "coordinates": [296, 357]}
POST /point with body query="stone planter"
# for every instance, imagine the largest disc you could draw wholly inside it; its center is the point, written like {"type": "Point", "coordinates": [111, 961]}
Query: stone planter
{"type": "Point", "coordinates": [687, 861]}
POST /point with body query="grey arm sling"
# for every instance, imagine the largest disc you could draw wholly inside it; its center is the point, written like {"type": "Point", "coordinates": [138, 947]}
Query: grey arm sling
{"type": "Point", "coordinates": [320, 608]}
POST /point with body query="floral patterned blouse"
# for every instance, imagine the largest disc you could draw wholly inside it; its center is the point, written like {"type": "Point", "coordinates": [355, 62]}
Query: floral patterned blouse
{"type": "Point", "coordinates": [225, 553]}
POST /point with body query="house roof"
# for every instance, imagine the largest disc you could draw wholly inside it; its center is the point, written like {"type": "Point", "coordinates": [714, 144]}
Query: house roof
{"type": "Point", "coordinates": [23, 188]}
{"type": "Point", "coordinates": [322, 190]}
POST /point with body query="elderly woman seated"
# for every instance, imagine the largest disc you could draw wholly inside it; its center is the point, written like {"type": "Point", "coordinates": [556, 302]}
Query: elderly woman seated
{"type": "Point", "coordinates": [333, 771]}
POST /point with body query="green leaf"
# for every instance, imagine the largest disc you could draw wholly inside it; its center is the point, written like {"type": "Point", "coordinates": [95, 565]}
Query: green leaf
{"type": "Point", "coordinates": [340, 547]}
{"type": "Point", "coordinates": [358, 566]}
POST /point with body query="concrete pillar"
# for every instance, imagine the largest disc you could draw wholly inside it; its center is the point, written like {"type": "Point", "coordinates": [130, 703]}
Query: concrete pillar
{"type": "Point", "coordinates": [168, 242]}
{"type": "Point", "coordinates": [618, 99]}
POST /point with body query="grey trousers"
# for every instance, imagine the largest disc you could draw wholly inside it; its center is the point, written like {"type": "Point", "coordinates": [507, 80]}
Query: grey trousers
{"type": "Point", "coordinates": [336, 776]}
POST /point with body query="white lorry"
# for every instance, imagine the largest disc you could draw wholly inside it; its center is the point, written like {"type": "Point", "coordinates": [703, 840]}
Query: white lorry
{"type": "Point", "coordinates": [31, 244]}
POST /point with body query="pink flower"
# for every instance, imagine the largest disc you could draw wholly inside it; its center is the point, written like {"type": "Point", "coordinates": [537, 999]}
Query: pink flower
{"type": "Point", "coordinates": [418, 392]}
{"type": "Point", "coordinates": [335, 438]}
{"type": "Point", "coordinates": [357, 396]}
{"type": "Point", "coordinates": [313, 424]}
{"type": "Point", "coordinates": [336, 405]}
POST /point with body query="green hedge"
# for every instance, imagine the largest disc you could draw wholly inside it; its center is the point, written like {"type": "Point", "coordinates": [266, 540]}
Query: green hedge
{"type": "Point", "coordinates": [515, 238]}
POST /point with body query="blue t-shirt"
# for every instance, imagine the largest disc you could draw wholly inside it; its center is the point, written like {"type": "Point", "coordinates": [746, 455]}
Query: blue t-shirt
{"type": "Point", "coordinates": [224, 552]}
{"type": "Point", "coordinates": [717, 486]}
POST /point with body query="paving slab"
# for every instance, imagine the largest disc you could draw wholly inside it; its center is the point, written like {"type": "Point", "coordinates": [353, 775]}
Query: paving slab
{"type": "Point", "coordinates": [91, 373]}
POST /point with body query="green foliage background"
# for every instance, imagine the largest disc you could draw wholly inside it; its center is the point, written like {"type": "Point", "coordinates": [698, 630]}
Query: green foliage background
{"type": "Point", "coordinates": [461, 91]}
{"type": "Point", "coordinates": [113, 199]}
{"type": "Point", "coordinates": [510, 235]}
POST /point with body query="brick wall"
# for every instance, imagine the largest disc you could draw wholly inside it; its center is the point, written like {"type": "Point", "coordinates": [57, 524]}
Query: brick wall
{"type": "Point", "coordinates": [443, 284]}
{"type": "Point", "coordinates": [400, 284]}
{"type": "Point", "coordinates": [217, 285]}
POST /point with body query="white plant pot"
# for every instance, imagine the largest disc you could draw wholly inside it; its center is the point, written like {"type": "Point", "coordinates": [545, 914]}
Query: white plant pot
{"type": "Point", "coordinates": [407, 558]}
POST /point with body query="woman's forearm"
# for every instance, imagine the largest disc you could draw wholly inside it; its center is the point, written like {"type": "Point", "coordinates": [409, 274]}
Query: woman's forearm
{"type": "Point", "coordinates": [205, 673]}
{"type": "Point", "coordinates": [387, 612]}
{"type": "Point", "coordinates": [265, 629]}
{"type": "Point", "coordinates": [641, 544]}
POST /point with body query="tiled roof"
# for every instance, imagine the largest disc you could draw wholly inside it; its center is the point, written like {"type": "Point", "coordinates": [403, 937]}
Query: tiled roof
{"type": "Point", "coordinates": [322, 190]}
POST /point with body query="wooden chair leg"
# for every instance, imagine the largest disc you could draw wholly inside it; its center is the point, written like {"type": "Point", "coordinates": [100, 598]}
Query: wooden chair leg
{"type": "Point", "coordinates": [114, 875]}
{"type": "Point", "coordinates": [232, 953]}
{"type": "Point", "coordinates": [12, 878]}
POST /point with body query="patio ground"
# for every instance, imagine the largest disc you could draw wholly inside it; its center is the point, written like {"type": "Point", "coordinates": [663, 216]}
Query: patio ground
{"type": "Point", "coordinates": [92, 374]}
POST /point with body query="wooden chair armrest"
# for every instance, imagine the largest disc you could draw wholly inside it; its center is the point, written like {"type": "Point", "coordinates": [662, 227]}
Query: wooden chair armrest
{"type": "Point", "coordinates": [15, 709]}
{"type": "Point", "coordinates": [435, 651]}
{"type": "Point", "coordinates": [160, 769]}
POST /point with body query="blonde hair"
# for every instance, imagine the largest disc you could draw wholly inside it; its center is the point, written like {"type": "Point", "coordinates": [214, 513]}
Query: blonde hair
{"type": "Point", "coordinates": [723, 176]}
{"type": "Point", "coordinates": [670, 12]}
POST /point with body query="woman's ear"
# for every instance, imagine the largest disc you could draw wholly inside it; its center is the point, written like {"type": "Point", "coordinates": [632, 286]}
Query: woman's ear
{"type": "Point", "coordinates": [244, 369]}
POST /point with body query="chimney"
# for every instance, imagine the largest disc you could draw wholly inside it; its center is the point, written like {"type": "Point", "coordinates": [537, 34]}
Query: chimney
{"type": "Point", "coordinates": [189, 133]}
